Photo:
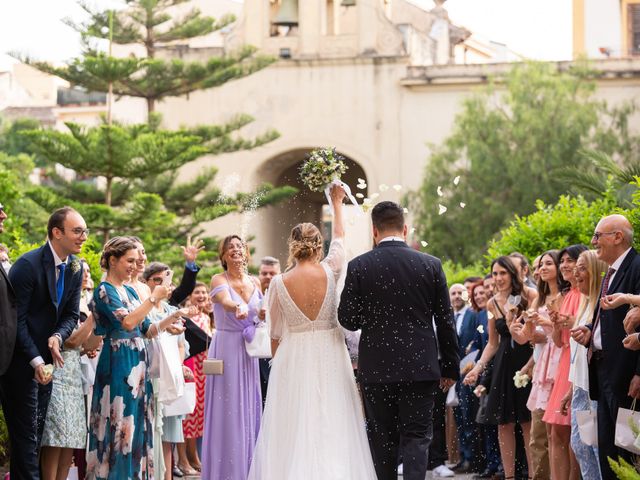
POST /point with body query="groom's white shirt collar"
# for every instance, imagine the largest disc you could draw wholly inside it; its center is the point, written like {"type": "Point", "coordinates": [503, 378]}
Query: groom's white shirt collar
{"type": "Point", "coordinates": [391, 239]}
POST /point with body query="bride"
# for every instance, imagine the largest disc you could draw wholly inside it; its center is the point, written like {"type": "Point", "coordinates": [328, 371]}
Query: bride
{"type": "Point", "coordinates": [313, 425]}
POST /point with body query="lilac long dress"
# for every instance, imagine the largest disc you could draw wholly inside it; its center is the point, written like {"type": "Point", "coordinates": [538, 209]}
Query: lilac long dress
{"type": "Point", "coordinates": [233, 401]}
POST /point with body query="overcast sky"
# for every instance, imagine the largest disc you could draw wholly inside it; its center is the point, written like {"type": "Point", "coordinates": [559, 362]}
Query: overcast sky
{"type": "Point", "coordinates": [539, 29]}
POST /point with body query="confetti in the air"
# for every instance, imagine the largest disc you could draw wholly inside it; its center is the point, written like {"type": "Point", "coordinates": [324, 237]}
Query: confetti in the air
{"type": "Point", "coordinates": [412, 231]}
{"type": "Point", "coordinates": [423, 243]}
{"type": "Point", "coordinates": [456, 180]}
{"type": "Point", "coordinates": [374, 195]}
{"type": "Point", "coordinates": [405, 210]}
{"type": "Point", "coordinates": [359, 195]}
{"type": "Point", "coordinates": [361, 186]}
{"type": "Point", "coordinates": [462, 204]}
{"type": "Point", "coordinates": [439, 190]}
{"type": "Point", "coordinates": [397, 187]}
{"type": "Point", "coordinates": [480, 328]}
{"type": "Point", "coordinates": [383, 187]}
{"type": "Point", "coordinates": [441, 209]}
{"type": "Point", "coordinates": [465, 296]}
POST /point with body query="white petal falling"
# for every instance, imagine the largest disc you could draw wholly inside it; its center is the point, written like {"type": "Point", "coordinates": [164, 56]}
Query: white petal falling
{"type": "Point", "coordinates": [383, 187]}
{"type": "Point", "coordinates": [405, 210]}
{"type": "Point", "coordinates": [359, 195]}
{"type": "Point", "coordinates": [361, 186]}
{"type": "Point", "coordinates": [465, 296]}
{"type": "Point", "coordinates": [423, 243]}
{"type": "Point", "coordinates": [412, 231]}
{"type": "Point", "coordinates": [480, 329]}
{"type": "Point", "coordinates": [441, 209]}
{"type": "Point", "coordinates": [361, 180]}
{"type": "Point", "coordinates": [397, 187]}
{"type": "Point", "coordinates": [367, 201]}
{"type": "Point", "coordinates": [374, 195]}
{"type": "Point", "coordinates": [462, 204]}
{"type": "Point", "coordinates": [439, 190]}
{"type": "Point", "coordinates": [456, 180]}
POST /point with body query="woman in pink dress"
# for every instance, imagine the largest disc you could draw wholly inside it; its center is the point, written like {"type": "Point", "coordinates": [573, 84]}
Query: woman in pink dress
{"type": "Point", "coordinates": [537, 330]}
{"type": "Point", "coordinates": [562, 459]}
{"type": "Point", "coordinates": [193, 425]}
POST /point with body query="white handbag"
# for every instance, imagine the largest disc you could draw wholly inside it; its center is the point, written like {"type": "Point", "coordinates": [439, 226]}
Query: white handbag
{"type": "Point", "coordinates": [260, 346]}
{"type": "Point", "coordinates": [628, 428]}
{"type": "Point", "coordinates": [184, 405]}
{"type": "Point", "coordinates": [588, 426]}
{"type": "Point", "coordinates": [171, 381]}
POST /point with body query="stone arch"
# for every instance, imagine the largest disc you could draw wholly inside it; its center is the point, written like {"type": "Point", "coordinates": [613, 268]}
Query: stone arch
{"type": "Point", "coordinates": [306, 206]}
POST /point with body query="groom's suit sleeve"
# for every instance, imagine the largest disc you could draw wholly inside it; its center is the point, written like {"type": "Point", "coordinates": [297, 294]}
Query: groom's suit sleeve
{"type": "Point", "coordinates": [447, 337]}
{"type": "Point", "coordinates": [22, 278]}
{"type": "Point", "coordinates": [350, 310]}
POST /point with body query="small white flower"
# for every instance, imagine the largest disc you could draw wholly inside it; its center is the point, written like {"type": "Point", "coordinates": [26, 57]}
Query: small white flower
{"type": "Point", "coordinates": [75, 266]}
{"type": "Point", "coordinates": [480, 328]}
{"type": "Point", "coordinates": [439, 190]}
{"type": "Point", "coordinates": [136, 379]}
{"type": "Point", "coordinates": [462, 204]}
{"type": "Point", "coordinates": [359, 195]}
{"type": "Point", "coordinates": [423, 243]}
{"type": "Point", "coordinates": [456, 180]}
{"type": "Point", "coordinates": [441, 209]}
{"type": "Point", "coordinates": [397, 187]}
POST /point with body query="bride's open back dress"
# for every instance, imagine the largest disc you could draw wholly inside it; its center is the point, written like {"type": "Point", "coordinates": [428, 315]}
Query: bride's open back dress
{"type": "Point", "coordinates": [313, 425]}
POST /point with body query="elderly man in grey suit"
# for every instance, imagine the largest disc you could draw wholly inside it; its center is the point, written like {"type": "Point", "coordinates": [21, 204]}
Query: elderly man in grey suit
{"type": "Point", "coordinates": [8, 315]}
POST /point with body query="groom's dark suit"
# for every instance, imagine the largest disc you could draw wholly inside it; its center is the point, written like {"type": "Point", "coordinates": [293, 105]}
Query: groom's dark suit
{"type": "Point", "coordinates": [395, 294]}
{"type": "Point", "coordinates": [8, 319]}
{"type": "Point", "coordinates": [33, 278]}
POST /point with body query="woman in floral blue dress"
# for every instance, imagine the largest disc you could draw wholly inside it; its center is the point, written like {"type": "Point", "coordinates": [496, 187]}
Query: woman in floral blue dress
{"type": "Point", "coordinates": [122, 415]}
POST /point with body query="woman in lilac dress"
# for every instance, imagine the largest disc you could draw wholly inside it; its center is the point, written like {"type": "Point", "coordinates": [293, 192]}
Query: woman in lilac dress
{"type": "Point", "coordinates": [233, 401]}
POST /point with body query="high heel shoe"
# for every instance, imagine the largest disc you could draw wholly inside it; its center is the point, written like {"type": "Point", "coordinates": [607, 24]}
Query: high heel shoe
{"type": "Point", "coordinates": [188, 470]}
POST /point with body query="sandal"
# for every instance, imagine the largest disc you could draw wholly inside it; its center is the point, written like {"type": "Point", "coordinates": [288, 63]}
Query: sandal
{"type": "Point", "coordinates": [188, 470]}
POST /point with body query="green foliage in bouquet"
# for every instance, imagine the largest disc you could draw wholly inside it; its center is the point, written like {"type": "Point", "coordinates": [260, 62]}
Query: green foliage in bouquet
{"type": "Point", "coordinates": [322, 166]}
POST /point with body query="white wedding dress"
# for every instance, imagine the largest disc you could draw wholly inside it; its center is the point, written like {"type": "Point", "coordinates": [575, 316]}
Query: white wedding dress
{"type": "Point", "coordinates": [313, 425]}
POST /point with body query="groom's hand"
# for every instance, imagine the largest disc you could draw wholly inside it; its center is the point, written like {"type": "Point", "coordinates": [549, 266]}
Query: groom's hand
{"type": "Point", "coordinates": [446, 383]}
{"type": "Point", "coordinates": [41, 376]}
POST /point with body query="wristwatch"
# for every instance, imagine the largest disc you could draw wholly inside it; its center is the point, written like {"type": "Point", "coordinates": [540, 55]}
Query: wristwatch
{"type": "Point", "coordinates": [153, 300]}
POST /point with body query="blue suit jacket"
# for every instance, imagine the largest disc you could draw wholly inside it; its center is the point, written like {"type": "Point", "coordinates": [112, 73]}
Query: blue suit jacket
{"type": "Point", "coordinates": [33, 278]}
{"type": "Point", "coordinates": [468, 331]}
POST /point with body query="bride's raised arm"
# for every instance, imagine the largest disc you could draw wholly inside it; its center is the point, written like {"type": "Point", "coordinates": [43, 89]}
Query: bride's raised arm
{"type": "Point", "coordinates": [337, 194]}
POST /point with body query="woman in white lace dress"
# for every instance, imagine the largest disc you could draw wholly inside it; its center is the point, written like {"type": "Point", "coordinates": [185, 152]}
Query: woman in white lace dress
{"type": "Point", "coordinates": [313, 424]}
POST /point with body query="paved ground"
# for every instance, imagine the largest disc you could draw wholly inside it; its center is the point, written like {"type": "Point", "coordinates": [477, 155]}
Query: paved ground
{"type": "Point", "coordinates": [429, 477]}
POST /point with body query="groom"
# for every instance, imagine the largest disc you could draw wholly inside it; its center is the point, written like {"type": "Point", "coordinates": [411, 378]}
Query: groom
{"type": "Point", "coordinates": [395, 295]}
{"type": "Point", "coordinates": [47, 282]}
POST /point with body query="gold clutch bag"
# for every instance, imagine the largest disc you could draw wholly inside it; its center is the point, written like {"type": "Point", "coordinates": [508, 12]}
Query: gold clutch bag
{"type": "Point", "coordinates": [212, 366]}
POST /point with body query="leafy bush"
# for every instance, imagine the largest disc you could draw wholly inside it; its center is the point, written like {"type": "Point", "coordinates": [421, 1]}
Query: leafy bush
{"type": "Point", "coordinates": [624, 470]}
{"type": "Point", "coordinates": [456, 273]}
{"type": "Point", "coordinates": [570, 221]}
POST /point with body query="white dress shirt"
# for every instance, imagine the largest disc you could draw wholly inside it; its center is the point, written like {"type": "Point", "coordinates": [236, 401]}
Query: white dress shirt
{"type": "Point", "coordinates": [392, 238]}
{"type": "Point", "coordinates": [597, 335]}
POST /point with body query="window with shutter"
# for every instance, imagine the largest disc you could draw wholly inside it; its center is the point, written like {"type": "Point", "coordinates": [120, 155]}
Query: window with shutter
{"type": "Point", "coordinates": [634, 28]}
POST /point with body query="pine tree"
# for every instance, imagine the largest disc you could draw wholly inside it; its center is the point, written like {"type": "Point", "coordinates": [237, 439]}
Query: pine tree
{"type": "Point", "coordinates": [148, 23]}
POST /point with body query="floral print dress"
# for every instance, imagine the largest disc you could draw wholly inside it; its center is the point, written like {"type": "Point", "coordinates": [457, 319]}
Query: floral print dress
{"type": "Point", "coordinates": [122, 414]}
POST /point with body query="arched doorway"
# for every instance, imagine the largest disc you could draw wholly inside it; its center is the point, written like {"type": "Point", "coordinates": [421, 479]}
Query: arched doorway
{"type": "Point", "coordinates": [305, 206]}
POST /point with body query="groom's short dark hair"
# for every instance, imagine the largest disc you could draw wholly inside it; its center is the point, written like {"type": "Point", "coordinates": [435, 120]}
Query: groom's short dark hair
{"type": "Point", "coordinates": [388, 216]}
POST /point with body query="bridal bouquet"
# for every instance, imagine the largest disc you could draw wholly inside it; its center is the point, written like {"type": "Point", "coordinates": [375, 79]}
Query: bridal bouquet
{"type": "Point", "coordinates": [521, 380]}
{"type": "Point", "coordinates": [322, 167]}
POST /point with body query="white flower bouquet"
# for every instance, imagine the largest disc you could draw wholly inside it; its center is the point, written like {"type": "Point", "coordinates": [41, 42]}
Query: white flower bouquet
{"type": "Point", "coordinates": [521, 380]}
{"type": "Point", "coordinates": [322, 167]}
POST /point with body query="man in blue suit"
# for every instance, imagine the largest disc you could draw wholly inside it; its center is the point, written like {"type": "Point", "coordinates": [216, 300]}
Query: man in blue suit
{"type": "Point", "coordinates": [47, 282]}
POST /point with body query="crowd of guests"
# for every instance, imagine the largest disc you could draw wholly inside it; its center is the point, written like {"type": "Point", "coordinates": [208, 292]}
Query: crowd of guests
{"type": "Point", "coordinates": [567, 323]}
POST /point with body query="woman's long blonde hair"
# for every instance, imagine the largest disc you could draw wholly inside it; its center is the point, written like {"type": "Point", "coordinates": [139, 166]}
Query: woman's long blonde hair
{"type": "Point", "coordinates": [305, 243]}
{"type": "Point", "coordinates": [596, 269]}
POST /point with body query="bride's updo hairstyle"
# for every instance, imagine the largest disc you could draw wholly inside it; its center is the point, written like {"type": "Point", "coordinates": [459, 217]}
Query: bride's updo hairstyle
{"type": "Point", "coordinates": [305, 243]}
